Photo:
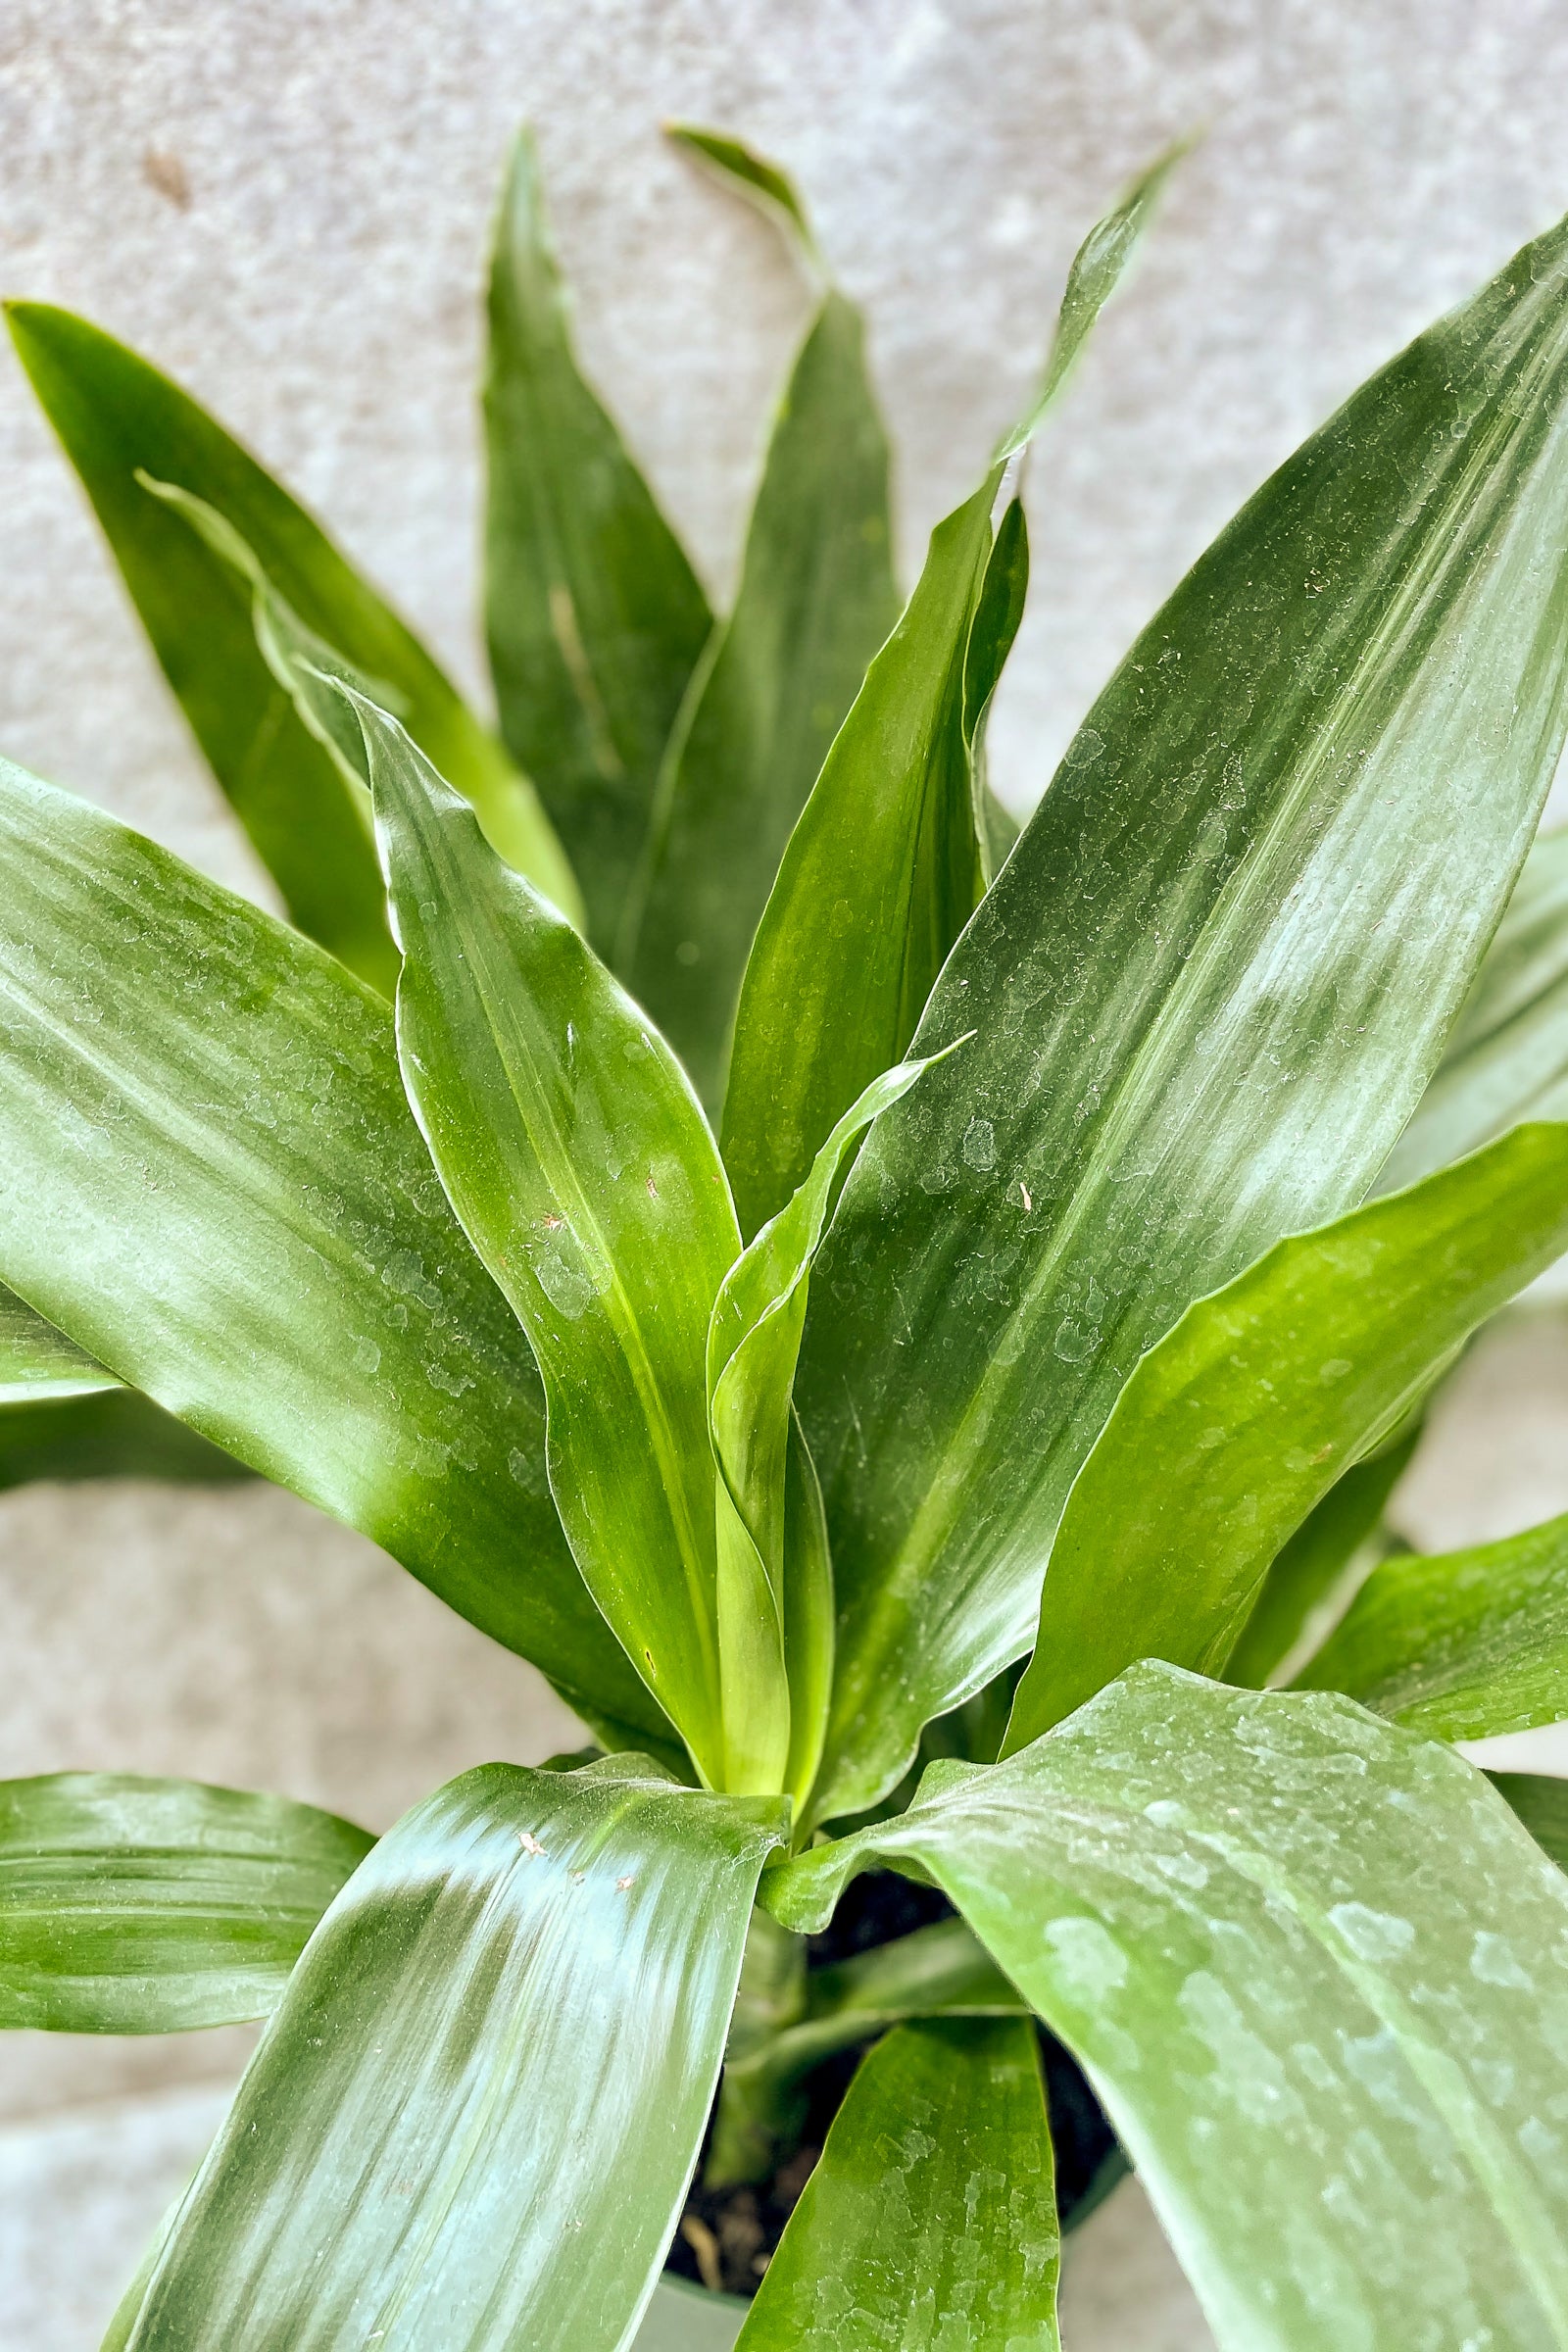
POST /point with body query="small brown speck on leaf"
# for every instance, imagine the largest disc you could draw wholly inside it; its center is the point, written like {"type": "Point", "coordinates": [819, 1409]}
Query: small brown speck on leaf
{"type": "Point", "coordinates": [652, 1190]}
{"type": "Point", "coordinates": [165, 171]}
{"type": "Point", "coordinates": [1027, 1203]}
{"type": "Point", "coordinates": [529, 1843]}
{"type": "Point", "coordinates": [621, 1885]}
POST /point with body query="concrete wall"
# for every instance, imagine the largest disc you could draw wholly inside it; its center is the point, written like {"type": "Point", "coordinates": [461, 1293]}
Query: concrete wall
{"type": "Point", "coordinates": [287, 207]}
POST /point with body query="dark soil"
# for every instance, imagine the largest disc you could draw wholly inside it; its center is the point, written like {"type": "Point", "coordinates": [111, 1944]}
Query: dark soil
{"type": "Point", "coordinates": [727, 2237]}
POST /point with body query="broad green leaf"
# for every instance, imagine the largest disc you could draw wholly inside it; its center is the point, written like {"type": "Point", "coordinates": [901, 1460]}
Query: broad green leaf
{"type": "Point", "coordinates": [144, 1906]}
{"type": "Point", "coordinates": [771, 190]}
{"type": "Point", "coordinates": [1306, 1575]}
{"type": "Point", "coordinates": [1311, 1965]}
{"type": "Point", "coordinates": [38, 1361]}
{"type": "Point", "coordinates": [931, 2215]}
{"type": "Point", "coordinates": [112, 1434]}
{"type": "Point", "coordinates": [594, 614]}
{"type": "Point", "coordinates": [771, 1636]}
{"type": "Point", "coordinates": [1460, 1646]}
{"type": "Point", "coordinates": [209, 1179]}
{"type": "Point", "coordinates": [1209, 985]}
{"type": "Point", "coordinates": [582, 1168]}
{"type": "Point", "coordinates": [935, 1971]}
{"type": "Point", "coordinates": [117, 417]}
{"type": "Point", "coordinates": [471, 2121]}
{"type": "Point", "coordinates": [1507, 1057]}
{"type": "Point", "coordinates": [1542, 1805]}
{"type": "Point", "coordinates": [817, 598]}
{"type": "Point", "coordinates": [1236, 1424]}
{"type": "Point", "coordinates": [887, 861]}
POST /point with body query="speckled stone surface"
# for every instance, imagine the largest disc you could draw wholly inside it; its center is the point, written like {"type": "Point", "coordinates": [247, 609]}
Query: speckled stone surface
{"type": "Point", "coordinates": [287, 207]}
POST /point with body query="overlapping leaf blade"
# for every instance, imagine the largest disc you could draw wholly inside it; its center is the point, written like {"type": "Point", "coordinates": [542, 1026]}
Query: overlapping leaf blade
{"type": "Point", "coordinates": [937, 1971]}
{"type": "Point", "coordinates": [594, 616]}
{"type": "Point", "coordinates": [37, 1361]}
{"type": "Point", "coordinates": [1209, 986]}
{"type": "Point", "coordinates": [817, 598]}
{"type": "Point", "coordinates": [473, 2118]}
{"type": "Point", "coordinates": [113, 1433]}
{"type": "Point", "coordinates": [209, 1178]}
{"type": "Point", "coordinates": [1313, 1967]}
{"type": "Point", "coordinates": [1239, 1421]}
{"type": "Point", "coordinates": [583, 1172]}
{"type": "Point", "coordinates": [892, 849]}
{"type": "Point", "coordinates": [1463, 1646]}
{"type": "Point", "coordinates": [1306, 1575]}
{"type": "Point", "coordinates": [1542, 1805]}
{"type": "Point", "coordinates": [931, 2215]}
{"type": "Point", "coordinates": [130, 1905]}
{"type": "Point", "coordinates": [1508, 1057]}
{"type": "Point", "coordinates": [116, 416]}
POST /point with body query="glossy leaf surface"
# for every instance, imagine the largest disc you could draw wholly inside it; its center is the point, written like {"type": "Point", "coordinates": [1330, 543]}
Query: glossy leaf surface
{"type": "Point", "coordinates": [894, 847]}
{"type": "Point", "coordinates": [144, 1906]}
{"type": "Point", "coordinates": [753, 1342]}
{"type": "Point", "coordinates": [37, 1361]}
{"type": "Point", "coordinates": [210, 1179]}
{"type": "Point", "coordinates": [940, 1970]}
{"type": "Point", "coordinates": [817, 598]}
{"type": "Point", "coordinates": [116, 415]}
{"type": "Point", "coordinates": [931, 2215]}
{"type": "Point", "coordinates": [1313, 1967]}
{"type": "Point", "coordinates": [1463, 1646]}
{"type": "Point", "coordinates": [1540, 1802]}
{"type": "Point", "coordinates": [472, 2120]}
{"type": "Point", "coordinates": [1508, 1057]}
{"type": "Point", "coordinates": [1209, 985]}
{"type": "Point", "coordinates": [584, 1174]}
{"type": "Point", "coordinates": [111, 1433]}
{"type": "Point", "coordinates": [1305, 1572]}
{"type": "Point", "coordinates": [594, 616]}
{"type": "Point", "coordinates": [1236, 1424]}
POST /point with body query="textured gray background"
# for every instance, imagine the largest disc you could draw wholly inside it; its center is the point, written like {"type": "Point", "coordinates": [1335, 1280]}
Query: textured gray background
{"type": "Point", "coordinates": [287, 208]}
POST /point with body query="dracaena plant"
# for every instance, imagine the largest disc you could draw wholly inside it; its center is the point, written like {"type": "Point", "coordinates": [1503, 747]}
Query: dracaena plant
{"type": "Point", "coordinates": [908, 1334]}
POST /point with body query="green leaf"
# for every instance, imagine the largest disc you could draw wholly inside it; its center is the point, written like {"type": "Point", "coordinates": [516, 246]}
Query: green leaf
{"type": "Point", "coordinates": [817, 598]}
{"type": "Point", "coordinates": [1306, 1575]}
{"type": "Point", "coordinates": [1460, 1646]}
{"type": "Point", "coordinates": [936, 1970]}
{"type": "Point", "coordinates": [145, 1907]}
{"type": "Point", "coordinates": [1540, 1802]}
{"type": "Point", "coordinates": [594, 616]}
{"type": "Point", "coordinates": [38, 1361]}
{"type": "Point", "coordinates": [117, 417]}
{"type": "Point", "coordinates": [1311, 1966]}
{"type": "Point", "coordinates": [471, 2121]}
{"type": "Point", "coordinates": [931, 2217]}
{"type": "Point", "coordinates": [771, 190]}
{"type": "Point", "coordinates": [114, 1434]}
{"type": "Point", "coordinates": [886, 862]}
{"type": "Point", "coordinates": [774, 1627]}
{"type": "Point", "coordinates": [1236, 1425]}
{"type": "Point", "coordinates": [210, 1179]}
{"type": "Point", "coordinates": [583, 1172]}
{"type": "Point", "coordinates": [1507, 1057]}
{"type": "Point", "coordinates": [996, 615]}
{"type": "Point", "coordinates": [1209, 985]}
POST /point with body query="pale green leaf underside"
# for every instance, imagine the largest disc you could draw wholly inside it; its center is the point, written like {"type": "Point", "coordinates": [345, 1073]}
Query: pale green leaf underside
{"type": "Point", "coordinates": [594, 616]}
{"type": "Point", "coordinates": [1463, 1646]}
{"type": "Point", "coordinates": [471, 2121]}
{"type": "Point", "coordinates": [210, 1179]}
{"type": "Point", "coordinates": [931, 2217]}
{"type": "Point", "coordinates": [576, 1158]}
{"type": "Point", "coordinates": [130, 1905]}
{"type": "Point", "coordinates": [37, 1361]}
{"type": "Point", "coordinates": [1240, 1419]}
{"type": "Point", "coordinates": [1313, 1967]}
{"type": "Point", "coordinates": [1208, 984]}
{"type": "Point", "coordinates": [1507, 1057]}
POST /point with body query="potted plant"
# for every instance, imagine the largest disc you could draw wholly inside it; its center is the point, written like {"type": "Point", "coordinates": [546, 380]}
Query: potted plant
{"type": "Point", "coordinates": [908, 1329]}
